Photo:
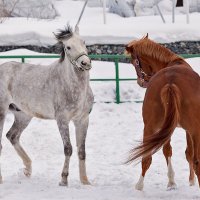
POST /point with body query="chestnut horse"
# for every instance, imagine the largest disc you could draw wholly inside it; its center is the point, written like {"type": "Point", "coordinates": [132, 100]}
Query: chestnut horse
{"type": "Point", "coordinates": [172, 99]}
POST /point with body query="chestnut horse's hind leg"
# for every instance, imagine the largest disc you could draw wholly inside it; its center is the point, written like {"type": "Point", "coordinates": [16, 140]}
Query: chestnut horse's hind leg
{"type": "Point", "coordinates": [81, 132]}
{"type": "Point", "coordinates": [189, 156]}
{"type": "Point", "coordinates": [146, 162]}
{"type": "Point", "coordinates": [21, 122]}
{"type": "Point", "coordinates": [167, 151]}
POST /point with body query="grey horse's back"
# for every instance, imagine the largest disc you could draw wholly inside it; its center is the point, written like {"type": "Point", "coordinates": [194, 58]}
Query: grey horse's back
{"type": "Point", "coordinates": [26, 88]}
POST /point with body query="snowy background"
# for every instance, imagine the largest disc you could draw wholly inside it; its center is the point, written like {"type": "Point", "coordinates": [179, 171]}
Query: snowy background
{"type": "Point", "coordinates": [34, 31]}
{"type": "Point", "coordinates": [113, 130]}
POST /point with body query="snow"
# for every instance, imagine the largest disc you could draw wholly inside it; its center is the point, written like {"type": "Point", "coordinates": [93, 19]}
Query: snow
{"type": "Point", "coordinates": [23, 31]}
{"type": "Point", "coordinates": [114, 129]}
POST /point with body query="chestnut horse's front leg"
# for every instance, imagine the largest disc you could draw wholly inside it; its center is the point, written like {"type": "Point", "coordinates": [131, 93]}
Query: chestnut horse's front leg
{"type": "Point", "coordinates": [189, 152]}
{"type": "Point", "coordinates": [195, 137]}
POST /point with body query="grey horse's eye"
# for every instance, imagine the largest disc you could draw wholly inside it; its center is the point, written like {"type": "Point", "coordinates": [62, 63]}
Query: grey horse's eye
{"type": "Point", "coordinates": [68, 48]}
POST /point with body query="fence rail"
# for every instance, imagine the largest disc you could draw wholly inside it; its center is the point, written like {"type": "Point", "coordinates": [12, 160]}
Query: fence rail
{"type": "Point", "coordinates": [114, 58]}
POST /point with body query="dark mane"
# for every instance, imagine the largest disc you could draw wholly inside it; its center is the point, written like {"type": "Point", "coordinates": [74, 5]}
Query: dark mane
{"type": "Point", "coordinates": [60, 49]}
{"type": "Point", "coordinates": [149, 48]}
{"type": "Point", "coordinates": [65, 33]}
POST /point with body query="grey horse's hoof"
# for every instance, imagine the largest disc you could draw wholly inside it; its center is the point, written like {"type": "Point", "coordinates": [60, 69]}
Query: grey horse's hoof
{"type": "Point", "coordinates": [62, 183]}
{"type": "Point", "coordinates": [171, 186]}
{"type": "Point", "coordinates": [27, 172]}
{"type": "Point", "coordinates": [84, 180]}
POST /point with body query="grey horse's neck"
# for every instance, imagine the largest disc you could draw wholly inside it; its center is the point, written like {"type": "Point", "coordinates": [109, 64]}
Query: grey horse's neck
{"type": "Point", "coordinates": [70, 73]}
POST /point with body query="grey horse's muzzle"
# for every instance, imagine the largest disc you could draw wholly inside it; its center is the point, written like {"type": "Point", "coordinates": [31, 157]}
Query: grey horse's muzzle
{"type": "Point", "coordinates": [86, 66]}
{"type": "Point", "coordinates": [83, 64]}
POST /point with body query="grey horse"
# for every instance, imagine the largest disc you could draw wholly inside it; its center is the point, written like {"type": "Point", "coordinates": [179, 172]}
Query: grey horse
{"type": "Point", "coordinates": [59, 91]}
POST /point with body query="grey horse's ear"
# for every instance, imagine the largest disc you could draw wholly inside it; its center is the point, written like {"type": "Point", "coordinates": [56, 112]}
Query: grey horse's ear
{"type": "Point", "coordinates": [56, 36]}
{"type": "Point", "coordinates": [77, 29]}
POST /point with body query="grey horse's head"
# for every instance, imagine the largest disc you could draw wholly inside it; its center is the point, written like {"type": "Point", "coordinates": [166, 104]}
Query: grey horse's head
{"type": "Point", "coordinates": [74, 48]}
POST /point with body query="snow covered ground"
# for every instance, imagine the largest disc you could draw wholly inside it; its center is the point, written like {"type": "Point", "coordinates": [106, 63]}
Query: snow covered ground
{"type": "Point", "coordinates": [113, 130]}
{"type": "Point", "coordinates": [23, 31]}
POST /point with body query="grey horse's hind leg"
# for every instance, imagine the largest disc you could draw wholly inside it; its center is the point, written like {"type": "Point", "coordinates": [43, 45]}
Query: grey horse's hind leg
{"type": "Point", "coordinates": [21, 122]}
{"type": "Point", "coordinates": [81, 132]}
{"type": "Point", "coordinates": [2, 119]}
{"type": "Point", "coordinates": [63, 125]}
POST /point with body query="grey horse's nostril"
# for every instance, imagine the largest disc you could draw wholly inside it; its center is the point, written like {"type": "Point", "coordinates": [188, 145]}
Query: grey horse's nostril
{"type": "Point", "coordinates": [83, 63]}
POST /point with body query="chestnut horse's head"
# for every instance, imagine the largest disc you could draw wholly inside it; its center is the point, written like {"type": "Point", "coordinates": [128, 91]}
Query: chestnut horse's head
{"type": "Point", "coordinates": [148, 58]}
{"type": "Point", "coordinates": [143, 69]}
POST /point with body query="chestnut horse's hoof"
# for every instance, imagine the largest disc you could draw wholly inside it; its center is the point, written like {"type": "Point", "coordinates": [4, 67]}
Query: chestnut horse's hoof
{"type": "Point", "coordinates": [192, 182]}
{"type": "Point", "coordinates": [139, 186]}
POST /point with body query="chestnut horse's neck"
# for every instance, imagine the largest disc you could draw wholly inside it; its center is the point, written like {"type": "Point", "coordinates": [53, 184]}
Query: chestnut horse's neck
{"type": "Point", "coordinates": [154, 55]}
{"type": "Point", "coordinates": [181, 62]}
{"type": "Point", "coordinates": [152, 65]}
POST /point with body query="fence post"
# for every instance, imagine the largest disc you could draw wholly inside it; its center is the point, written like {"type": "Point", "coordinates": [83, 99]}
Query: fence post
{"type": "Point", "coordinates": [23, 60]}
{"type": "Point", "coordinates": [117, 80]}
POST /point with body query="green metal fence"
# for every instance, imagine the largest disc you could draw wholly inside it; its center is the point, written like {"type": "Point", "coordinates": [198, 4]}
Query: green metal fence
{"type": "Point", "coordinates": [113, 58]}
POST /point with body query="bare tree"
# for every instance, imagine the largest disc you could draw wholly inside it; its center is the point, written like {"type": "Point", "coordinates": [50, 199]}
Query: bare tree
{"type": "Point", "coordinates": [121, 7]}
{"type": "Point", "coordinates": [5, 10]}
{"type": "Point", "coordinates": [27, 8]}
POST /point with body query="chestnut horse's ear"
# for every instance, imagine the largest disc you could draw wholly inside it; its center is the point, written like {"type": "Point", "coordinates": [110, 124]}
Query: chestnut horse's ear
{"type": "Point", "coordinates": [147, 36]}
{"type": "Point", "coordinates": [128, 49]}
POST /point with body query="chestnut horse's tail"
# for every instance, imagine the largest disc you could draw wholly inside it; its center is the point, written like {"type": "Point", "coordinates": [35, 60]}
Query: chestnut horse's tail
{"type": "Point", "coordinates": [170, 97]}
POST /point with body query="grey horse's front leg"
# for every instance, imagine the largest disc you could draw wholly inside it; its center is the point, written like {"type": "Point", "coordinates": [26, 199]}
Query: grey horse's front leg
{"type": "Point", "coordinates": [2, 118]}
{"type": "Point", "coordinates": [63, 125]}
{"type": "Point", "coordinates": [81, 132]}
